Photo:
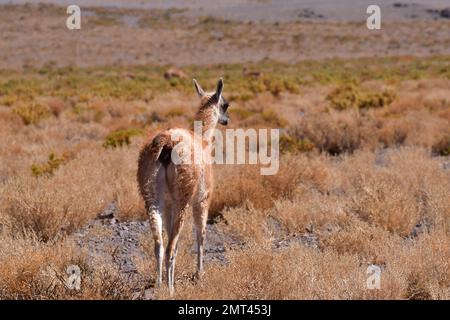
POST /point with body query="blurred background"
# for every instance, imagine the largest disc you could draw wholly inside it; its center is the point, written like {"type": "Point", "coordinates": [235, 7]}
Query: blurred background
{"type": "Point", "coordinates": [204, 32]}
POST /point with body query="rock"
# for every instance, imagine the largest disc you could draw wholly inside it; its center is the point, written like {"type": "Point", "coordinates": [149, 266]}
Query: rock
{"type": "Point", "coordinates": [109, 212]}
{"type": "Point", "coordinates": [217, 35]}
{"type": "Point", "coordinates": [421, 227]}
{"type": "Point", "coordinates": [381, 158]}
{"type": "Point", "coordinates": [400, 5]}
{"type": "Point", "coordinates": [445, 13]}
{"type": "Point", "coordinates": [175, 73]}
{"type": "Point", "coordinates": [148, 294]}
{"type": "Point", "coordinates": [446, 166]}
{"type": "Point", "coordinates": [308, 239]}
{"type": "Point", "coordinates": [309, 14]}
{"type": "Point", "coordinates": [252, 74]}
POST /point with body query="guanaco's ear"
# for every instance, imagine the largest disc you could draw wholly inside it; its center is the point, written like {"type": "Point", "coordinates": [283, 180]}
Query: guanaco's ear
{"type": "Point", "coordinates": [199, 89]}
{"type": "Point", "coordinates": [219, 89]}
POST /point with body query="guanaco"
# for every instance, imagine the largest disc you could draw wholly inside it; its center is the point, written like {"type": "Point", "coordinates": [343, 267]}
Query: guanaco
{"type": "Point", "coordinates": [186, 184]}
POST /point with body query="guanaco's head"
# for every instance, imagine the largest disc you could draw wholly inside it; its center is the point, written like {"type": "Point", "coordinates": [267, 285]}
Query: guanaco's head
{"type": "Point", "coordinates": [215, 102]}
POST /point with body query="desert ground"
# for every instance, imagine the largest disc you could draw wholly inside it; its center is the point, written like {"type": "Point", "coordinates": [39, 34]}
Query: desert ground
{"type": "Point", "coordinates": [364, 177]}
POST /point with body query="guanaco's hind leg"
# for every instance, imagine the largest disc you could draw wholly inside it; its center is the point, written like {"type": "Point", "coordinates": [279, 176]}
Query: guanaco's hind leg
{"type": "Point", "coordinates": [200, 211]}
{"type": "Point", "coordinates": [181, 181]}
{"type": "Point", "coordinates": [178, 216]}
{"type": "Point", "coordinates": [155, 208]}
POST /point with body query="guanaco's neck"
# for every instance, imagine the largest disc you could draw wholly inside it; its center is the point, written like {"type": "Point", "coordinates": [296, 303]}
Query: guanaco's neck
{"type": "Point", "coordinates": [208, 117]}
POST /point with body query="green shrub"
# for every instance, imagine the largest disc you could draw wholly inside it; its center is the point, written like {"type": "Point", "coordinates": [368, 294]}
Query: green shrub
{"type": "Point", "coordinates": [256, 86]}
{"type": "Point", "coordinates": [294, 145]}
{"type": "Point", "coordinates": [32, 113]}
{"type": "Point", "coordinates": [120, 138]}
{"type": "Point", "coordinates": [23, 87]}
{"type": "Point", "coordinates": [351, 96]}
{"type": "Point", "coordinates": [376, 99]}
{"type": "Point", "coordinates": [9, 100]}
{"type": "Point", "coordinates": [344, 97]}
{"type": "Point", "coordinates": [291, 87]}
{"type": "Point", "coordinates": [274, 86]}
{"type": "Point", "coordinates": [52, 164]}
{"type": "Point", "coordinates": [87, 114]}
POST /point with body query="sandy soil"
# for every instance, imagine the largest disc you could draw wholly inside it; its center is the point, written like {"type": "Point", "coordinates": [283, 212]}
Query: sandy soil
{"type": "Point", "coordinates": [35, 36]}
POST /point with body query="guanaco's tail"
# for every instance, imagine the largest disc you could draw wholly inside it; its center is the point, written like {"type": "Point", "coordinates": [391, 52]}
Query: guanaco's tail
{"type": "Point", "coordinates": [153, 155]}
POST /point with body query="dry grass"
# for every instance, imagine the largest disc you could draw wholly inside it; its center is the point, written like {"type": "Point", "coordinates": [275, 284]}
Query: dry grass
{"type": "Point", "coordinates": [364, 214]}
{"type": "Point", "coordinates": [76, 193]}
{"type": "Point", "coordinates": [357, 180]}
{"type": "Point", "coordinates": [32, 269]}
{"type": "Point", "coordinates": [411, 271]}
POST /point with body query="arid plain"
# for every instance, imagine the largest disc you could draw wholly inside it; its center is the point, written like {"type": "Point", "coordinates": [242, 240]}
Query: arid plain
{"type": "Point", "coordinates": [364, 176]}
